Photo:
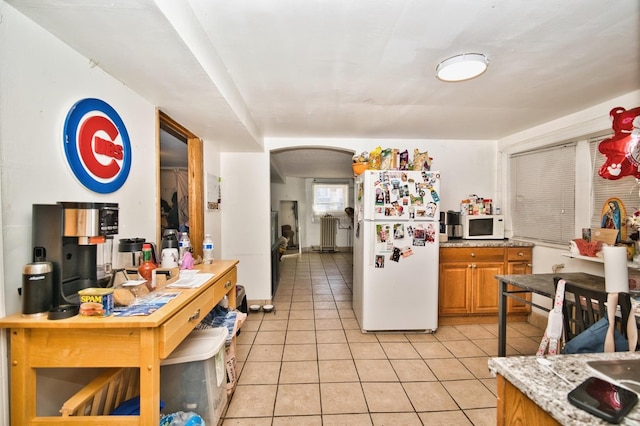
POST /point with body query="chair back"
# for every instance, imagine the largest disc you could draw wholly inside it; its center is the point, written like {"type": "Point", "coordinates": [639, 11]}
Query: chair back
{"type": "Point", "coordinates": [584, 307]}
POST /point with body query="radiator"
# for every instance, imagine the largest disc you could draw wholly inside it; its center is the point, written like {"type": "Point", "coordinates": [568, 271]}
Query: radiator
{"type": "Point", "coordinates": [328, 230]}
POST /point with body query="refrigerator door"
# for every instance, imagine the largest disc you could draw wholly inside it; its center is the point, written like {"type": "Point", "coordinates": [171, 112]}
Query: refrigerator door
{"type": "Point", "coordinates": [396, 276]}
{"type": "Point", "coordinates": [399, 195]}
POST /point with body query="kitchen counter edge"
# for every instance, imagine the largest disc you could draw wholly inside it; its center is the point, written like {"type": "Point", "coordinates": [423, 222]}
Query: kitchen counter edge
{"type": "Point", "coordinates": [484, 243]}
{"type": "Point", "coordinates": [549, 392]}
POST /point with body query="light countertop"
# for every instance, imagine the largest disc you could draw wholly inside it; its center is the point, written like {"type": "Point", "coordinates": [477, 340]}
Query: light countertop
{"type": "Point", "coordinates": [549, 392]}
{"type": "Point", "coordinates": [484, 243]}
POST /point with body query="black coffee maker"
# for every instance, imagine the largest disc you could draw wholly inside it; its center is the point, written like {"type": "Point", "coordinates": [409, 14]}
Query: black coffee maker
{"type": "Point", "coordinates": [453, 225]}
{"type": "Point", "coordinates": [67, 234]}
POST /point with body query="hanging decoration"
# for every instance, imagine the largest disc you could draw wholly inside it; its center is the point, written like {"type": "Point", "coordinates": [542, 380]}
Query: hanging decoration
{"type": "Point", "coordinates": [622, 150]}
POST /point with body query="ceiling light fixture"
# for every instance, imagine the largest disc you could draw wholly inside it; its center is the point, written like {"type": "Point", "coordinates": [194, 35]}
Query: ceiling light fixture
{"type": "Point", "coordinates": [462, 67]}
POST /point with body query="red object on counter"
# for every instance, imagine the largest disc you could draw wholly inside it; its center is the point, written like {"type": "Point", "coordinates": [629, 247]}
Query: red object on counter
{"type": "Point", "coordinates": [147, 266]}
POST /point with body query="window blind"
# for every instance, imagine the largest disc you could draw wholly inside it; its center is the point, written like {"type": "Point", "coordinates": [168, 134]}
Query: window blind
{"type": "Point", "coordinates": [543, 193]}
{"type": "Point", "coordinates": [625, 190]}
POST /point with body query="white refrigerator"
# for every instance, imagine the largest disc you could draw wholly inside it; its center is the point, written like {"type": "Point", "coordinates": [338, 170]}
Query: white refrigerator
{"type": "Point", "coordinates": [395, 250]}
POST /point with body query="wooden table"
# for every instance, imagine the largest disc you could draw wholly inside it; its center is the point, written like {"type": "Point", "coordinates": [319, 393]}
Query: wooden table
{"type": "Point", "coordinates": [539, 284]}
{"type": "Point", "coordinates": [140, 342]}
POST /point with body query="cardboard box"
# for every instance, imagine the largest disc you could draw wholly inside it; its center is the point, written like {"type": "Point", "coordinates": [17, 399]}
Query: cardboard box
{"type": "Point", "coordinates": [607, 236]}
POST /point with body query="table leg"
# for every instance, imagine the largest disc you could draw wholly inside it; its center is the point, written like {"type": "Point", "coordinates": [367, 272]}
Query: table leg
{"type": "Point", "coordinates": [149, 379]}
{"type": "Point", "coordinates": [502, 319]}
{"type": "Point", "coordinates": [23, 379]}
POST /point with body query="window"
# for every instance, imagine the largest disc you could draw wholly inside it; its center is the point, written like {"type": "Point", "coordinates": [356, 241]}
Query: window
{"type": "Point", "coordinates": [543, 194]}
{"type": "Point", "coordinates": [330, 199]}
{"type": "Point", "coordinates": [625, 190]}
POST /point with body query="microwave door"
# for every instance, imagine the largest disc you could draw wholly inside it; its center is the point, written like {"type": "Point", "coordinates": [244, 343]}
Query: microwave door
{"type": "Point", "coordinates": [481, 227]}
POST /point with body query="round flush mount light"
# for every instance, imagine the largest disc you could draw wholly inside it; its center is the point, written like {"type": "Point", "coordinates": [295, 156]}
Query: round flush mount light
{"type": "Point", "coordinates": [462, 67]}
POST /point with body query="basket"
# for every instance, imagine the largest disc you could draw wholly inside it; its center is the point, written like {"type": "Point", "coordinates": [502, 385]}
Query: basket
{"type": "Point", "coordinates": [358, 168]}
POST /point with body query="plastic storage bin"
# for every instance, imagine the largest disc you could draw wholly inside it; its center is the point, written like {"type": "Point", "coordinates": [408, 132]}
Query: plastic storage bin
{"type": "Point", "coordinates": [193, 378]}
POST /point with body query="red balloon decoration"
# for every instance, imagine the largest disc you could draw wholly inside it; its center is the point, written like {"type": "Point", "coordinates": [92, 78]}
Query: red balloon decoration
{"type": "Point", "coordinates": [622, 150]}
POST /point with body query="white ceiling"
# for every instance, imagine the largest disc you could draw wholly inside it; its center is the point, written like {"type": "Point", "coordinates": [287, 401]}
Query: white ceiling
{"type": "Point", "coordinates": [236, 72]}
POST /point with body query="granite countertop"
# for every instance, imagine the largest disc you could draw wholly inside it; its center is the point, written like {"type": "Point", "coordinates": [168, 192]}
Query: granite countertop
{"type": "Point", "coordinates": [485, 243]}
{"type": "Point", "coordinates": [550, 392]}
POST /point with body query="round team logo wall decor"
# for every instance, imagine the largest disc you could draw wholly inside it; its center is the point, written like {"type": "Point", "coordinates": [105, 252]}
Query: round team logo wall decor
{"type": "Point", "coordinates": [97, 145]}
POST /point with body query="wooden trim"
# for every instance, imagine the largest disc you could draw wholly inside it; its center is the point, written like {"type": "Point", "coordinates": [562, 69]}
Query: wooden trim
{"type": "Point", "coordinates": [196, 195]}
{"type": "Point", "coordinates": [195, 167]}
{"type": "Point", "coordinates": [169, 122]}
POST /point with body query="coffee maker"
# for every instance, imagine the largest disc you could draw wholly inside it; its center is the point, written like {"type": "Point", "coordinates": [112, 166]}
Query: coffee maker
{"type": "Point", "coordinates": [68, 235]}
{"type": "Point", "coordinates": [453, 226]}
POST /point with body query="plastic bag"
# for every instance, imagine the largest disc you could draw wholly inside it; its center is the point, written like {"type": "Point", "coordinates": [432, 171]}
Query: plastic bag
{"type": "Point", "coordinates": [181, 418]}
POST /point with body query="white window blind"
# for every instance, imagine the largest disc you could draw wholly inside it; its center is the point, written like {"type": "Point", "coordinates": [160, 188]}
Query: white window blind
{"type": "Point", "coordinates": [625, 190]}
{"type": "Point", "coordinates": [543, 194]}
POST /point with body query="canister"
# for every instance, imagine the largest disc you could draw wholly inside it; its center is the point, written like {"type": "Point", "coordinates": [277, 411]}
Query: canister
{"type": "Point", "coordinates": [37, 289]}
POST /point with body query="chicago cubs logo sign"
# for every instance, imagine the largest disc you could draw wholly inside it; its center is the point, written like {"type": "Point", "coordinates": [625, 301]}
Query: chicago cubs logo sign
{"type": "Point", "coordinates": [97, 146]}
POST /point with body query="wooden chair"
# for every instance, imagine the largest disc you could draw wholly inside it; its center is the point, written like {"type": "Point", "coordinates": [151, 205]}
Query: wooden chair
{"type": "Point", "coordinates": [583, 307]}
{"type": "Point", "coordinates": [103, 394]}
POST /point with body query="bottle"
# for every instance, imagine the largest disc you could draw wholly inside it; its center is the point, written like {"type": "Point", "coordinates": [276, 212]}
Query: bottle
{"type": "Point", "coordinates": [147, 267]}
{"type": "Point", "coordinates": [185, 245]}
{"type": "Point", "coordinates": [192, 386]}
{"type": "Point", "coordinates": [224, 303]}
{"type": "Point", "coordinates": [207, 249]}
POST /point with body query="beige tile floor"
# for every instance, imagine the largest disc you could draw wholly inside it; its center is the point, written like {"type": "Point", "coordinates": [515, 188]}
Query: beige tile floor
{"type": "Point", "coordinates": [308, 363]}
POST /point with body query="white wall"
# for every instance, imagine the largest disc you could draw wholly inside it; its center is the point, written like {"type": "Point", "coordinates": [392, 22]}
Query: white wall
{"type": "Point", "coordinates": [245, 222]}
{"type": "Point", "coordinates": [466, 167]}
{"type": "Point", "coordinates": [40, 79]}
{"type": "Point", "coordinates": [575, 127]}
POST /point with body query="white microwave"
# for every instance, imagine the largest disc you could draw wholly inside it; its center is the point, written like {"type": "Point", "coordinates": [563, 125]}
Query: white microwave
{"type": "Point", "coordinates": [483, 227]}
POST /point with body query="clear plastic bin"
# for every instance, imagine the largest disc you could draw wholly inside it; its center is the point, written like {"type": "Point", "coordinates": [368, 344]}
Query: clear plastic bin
{"type": "Point", "coordinates": [193, 377]}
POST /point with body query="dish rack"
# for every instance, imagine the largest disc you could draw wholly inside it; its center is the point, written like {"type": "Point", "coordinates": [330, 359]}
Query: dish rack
{"type": "Point", "coordinates": [104, 393]}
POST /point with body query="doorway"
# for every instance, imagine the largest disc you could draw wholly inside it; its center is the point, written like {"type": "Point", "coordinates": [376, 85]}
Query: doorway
{"type": "Point", "coordinates": [288, 218]}
{"type": "Point", "coordinates": [192, 165]}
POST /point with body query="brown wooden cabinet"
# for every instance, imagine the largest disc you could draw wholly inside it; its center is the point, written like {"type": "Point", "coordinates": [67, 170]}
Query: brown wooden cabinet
{"type": "Point", "coordinates": [468, 287]}
{"type": "Point", "coordinates": [518, 262]}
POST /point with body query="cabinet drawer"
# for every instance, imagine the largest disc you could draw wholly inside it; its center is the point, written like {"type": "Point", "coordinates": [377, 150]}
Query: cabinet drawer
{"type": "Point", "coordinates": [519, 253]}
{"type": "Point", "coordinates": [226, 283]}
{"type": "Point", "coordinates": [476, 254]}
{"type": "Point", "coordinates": [173, 331]}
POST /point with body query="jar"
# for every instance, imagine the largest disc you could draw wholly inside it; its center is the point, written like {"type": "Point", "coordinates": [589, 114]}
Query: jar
{"type": "Point", "coordinates": [488, 206]}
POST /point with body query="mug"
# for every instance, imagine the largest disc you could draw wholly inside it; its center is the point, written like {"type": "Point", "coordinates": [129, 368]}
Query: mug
{"type": "Point", "coordinates": [169, 258]}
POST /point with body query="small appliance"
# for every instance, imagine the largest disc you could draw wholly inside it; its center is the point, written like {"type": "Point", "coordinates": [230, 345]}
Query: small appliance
{"type": "Point", "coordinates": [483, 227]}
{"type": "Point", "coordinates": [68, 234]}
{"type": "Point", "coordinates": [453, 227]}
{"type": "Point", "coordinates": [37, 289]}
{"type": "Point", "coordinates": [170, 254]}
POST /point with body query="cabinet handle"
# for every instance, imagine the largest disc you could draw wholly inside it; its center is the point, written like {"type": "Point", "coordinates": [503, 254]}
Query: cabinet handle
{"type": "Point", "coordinates": [473, 255]}
{"type": "Point", "coordinates": [227, 284]}
{"type": "Point", "coordinates": [473, 265]}
{"type": "Point", "coordinates": [530, 265]}
{"type": "Point", "coordinates": [520, 254]}
{"type": "Point", "coordinates": [195, 316]}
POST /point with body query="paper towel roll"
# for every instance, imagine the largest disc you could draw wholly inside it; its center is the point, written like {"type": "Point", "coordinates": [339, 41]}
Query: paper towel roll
{"type": "Point", "coordinates": [616, 274]}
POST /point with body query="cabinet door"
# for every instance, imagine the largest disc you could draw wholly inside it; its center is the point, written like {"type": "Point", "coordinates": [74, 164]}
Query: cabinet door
{"type": "Point", "coordinates": [484, 287]}
{"type": "Point", "coordinates": [454, 292]}
{"type": "Point", "coordinates": [519, 262]}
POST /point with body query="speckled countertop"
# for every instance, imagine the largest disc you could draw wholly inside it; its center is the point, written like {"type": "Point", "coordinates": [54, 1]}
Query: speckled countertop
{"type": "Point", "coordinates": [485, 243]}
{"type": "Point", "coordinates": [549, 392]}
